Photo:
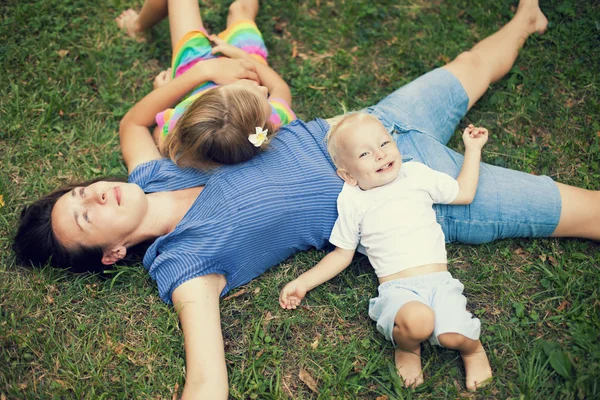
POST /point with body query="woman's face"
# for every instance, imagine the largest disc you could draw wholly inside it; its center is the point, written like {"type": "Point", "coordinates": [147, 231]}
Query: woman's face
{"type": "Point", "coordinates": [104, 214]}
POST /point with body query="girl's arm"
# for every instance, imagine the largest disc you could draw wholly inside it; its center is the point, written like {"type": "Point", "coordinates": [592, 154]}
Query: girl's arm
{"type": "Point", "coordinates": [197, 303]}
{"type": "Point", "coordinates": [468, 178]}
{"type": "Point", "coordinates": [137, 144]}
{"type": "Point", "coordinates": [278, 88]}
{"type": "Point", "coordinates": [331, 265]}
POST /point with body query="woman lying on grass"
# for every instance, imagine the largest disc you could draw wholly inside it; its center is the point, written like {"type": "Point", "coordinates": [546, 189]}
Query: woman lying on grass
{"type": "Point", "coordinates": [205, 227]}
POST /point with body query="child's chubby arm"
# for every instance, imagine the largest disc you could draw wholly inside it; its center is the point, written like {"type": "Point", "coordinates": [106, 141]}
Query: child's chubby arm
{"type": "Point", "coordinates": [137, 144]}
{"type": "Point", "coordinates": [278, 88]}
{"type": "Point", "coordinates": [197, 304]}
{"type": "Point", "coordinates": [330, 266]}
{"type": "Point", "coordinates": [468, 178]}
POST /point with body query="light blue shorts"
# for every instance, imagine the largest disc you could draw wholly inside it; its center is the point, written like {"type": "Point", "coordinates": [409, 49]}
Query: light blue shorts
{"type": "Point", "coordinates": [422, 116]}
{"type": "Point", "coordinates": [439, 291]}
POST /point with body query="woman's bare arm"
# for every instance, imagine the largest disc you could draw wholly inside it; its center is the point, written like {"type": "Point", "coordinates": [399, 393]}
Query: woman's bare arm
{"type": "Point", "coordinates": [197, 303]}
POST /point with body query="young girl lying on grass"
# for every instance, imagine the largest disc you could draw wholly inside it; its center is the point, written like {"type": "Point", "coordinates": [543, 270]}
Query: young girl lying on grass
{"type": "Point", "coordinates": [213, 124]}
{"type": "Point", "coordinates": [385, 206]}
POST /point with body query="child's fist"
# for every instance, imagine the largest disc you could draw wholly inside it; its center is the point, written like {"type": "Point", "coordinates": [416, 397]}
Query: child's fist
{"type": "Point", "coordinates": [291, 295]}
{"type": "Point", "coordinates": [475, 137]}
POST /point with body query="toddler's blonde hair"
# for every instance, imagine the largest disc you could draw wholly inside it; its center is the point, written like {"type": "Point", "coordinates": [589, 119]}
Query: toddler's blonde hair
{"type": "Point", "coordinates": [336, 125]}
{"type": "Point", "coordinates": [214, 130]}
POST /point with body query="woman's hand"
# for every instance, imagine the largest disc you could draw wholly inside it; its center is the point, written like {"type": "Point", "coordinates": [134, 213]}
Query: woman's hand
{"type": "Point", "coordinates": [292, 294]}
{"type": "Point", "coordinates": [227, 70]}
{"type": "Point", "coordinates": [228, 50]}
{"type": "Point", "coordinates": [475, 137]}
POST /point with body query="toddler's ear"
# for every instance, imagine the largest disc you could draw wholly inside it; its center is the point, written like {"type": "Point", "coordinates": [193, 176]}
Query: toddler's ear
{"type": "Point", "coordinates": [345, 175]}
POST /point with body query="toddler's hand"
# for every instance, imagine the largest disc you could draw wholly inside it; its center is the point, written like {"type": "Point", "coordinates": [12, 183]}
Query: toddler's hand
{"type": "Point", "coordinates": [291, 295]}
{"type": "Point", "coordinates": [475, 137]}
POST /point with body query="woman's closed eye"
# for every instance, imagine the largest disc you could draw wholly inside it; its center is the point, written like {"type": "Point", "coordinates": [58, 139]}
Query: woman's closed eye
{"type": "Point", "coordinates": [86, 217]}
{"type": "Point", "coordinates": [82, 192]}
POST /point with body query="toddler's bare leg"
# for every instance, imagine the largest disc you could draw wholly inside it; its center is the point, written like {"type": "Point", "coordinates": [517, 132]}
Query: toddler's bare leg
{"type": "Point", "coordinates": [153, 11]}
{"type": "Point", "coordinates": [474, 358]}
{"type": "Point", "coordinates": [490, 59]}
{"type": "Point", "coordinates": [413, 324]}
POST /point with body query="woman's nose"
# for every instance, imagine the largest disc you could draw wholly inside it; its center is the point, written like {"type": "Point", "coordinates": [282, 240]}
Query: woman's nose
{"type": "Point", "coordinates": [97, 198]}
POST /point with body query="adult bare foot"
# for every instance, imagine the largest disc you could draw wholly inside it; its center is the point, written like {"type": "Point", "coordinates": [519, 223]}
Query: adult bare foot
{"type": "Point", "coordinates": [128, 21]}
{"type": "Point", "coordinates": [477, 367]}
{"type": "Point", "coordinates": [530, 9]}
{"type": "Point", "coordinates": [408, 364]}
{"type": "Point", "coordinates": [162, 78]}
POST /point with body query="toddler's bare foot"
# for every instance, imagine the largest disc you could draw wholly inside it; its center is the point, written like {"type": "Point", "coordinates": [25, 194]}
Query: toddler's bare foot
{"type": "Point", "coordinates": [162, 78]}
{"type": "Point", "coordinates": [408, 365]}
{"type": "Point", "coordinates": [530, 9]}
{"type": "Point", "coordinates": [478, 369]}
{"type": "Point", "coordinates": [127, 21]}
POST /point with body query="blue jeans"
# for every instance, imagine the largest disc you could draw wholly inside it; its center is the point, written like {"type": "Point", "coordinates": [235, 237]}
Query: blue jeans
{"type": "Point", "coordinates": [422, 116]}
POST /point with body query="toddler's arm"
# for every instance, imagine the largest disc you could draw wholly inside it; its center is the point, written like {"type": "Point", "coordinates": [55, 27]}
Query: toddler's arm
{"type": "Point", "coordinates": [268, 77]}
{"type": "Point", "coordinates": [331, 265]}
{"type": "Point", "coordinates": [468, 178]}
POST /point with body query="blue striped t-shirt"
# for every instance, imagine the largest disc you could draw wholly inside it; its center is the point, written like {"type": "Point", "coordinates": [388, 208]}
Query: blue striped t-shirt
{"type": "Point", "coordinates": [250, 216]}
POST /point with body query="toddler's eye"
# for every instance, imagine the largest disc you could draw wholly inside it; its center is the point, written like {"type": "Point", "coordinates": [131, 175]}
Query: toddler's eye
{"type": "Point", "coordinates": [366, 153]}
{"type": "Point", "coordinates": [82, 192]}
{"type": "Point", "coordinates": [385, 143]}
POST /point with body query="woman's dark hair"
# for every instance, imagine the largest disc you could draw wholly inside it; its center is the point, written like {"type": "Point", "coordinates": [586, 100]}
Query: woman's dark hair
{"type": "Point", "coordinates": [35, 242]}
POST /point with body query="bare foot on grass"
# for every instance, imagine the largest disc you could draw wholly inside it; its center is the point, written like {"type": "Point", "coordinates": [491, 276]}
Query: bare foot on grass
{"type": "Point", "coordinates": [127, 21]}
{"type": "Point", "coordinates": [162, 78]}
{"type": "Point", "coordinates": [477, 367]}
{"type": "Point", "coordinates": [408, 365]}
{"type": "Point", "coordinates": [536, 18]}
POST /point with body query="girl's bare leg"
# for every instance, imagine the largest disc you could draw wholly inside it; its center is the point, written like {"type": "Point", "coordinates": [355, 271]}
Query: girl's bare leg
{"type": "Point", "coordinates": [152, 12]}
{"type": "Point", "coordinates": [492, 58]}
{"type": "Point", "coordinates": [241, 10]}
{"type": "Point", "coordinates": [184, 16]}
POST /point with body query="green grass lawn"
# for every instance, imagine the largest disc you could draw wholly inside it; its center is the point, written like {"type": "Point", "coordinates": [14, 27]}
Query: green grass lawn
{"type": "Point", "coordinates": [68, 76]}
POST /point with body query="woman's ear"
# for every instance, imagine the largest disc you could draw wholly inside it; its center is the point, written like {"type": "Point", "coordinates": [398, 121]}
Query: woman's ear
{"type": "Point", "coordinates": [112, 256]}
{"type": "Point", "coordinates": [345, 175]}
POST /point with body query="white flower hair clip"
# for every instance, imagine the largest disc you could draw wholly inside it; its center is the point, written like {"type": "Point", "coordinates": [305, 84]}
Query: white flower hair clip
{"type": "Point", "coordinates": [258, 138]}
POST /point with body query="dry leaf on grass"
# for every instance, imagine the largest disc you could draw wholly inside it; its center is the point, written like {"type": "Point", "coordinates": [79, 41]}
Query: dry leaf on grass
{"type": "Point", "coordinates": [308, 380]}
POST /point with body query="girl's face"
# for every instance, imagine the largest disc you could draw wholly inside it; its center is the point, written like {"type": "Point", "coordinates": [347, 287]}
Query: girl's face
{"type": "Point", "coordinates": [103, 214]}
{"type": "Point", "coordinates": [261, 92]}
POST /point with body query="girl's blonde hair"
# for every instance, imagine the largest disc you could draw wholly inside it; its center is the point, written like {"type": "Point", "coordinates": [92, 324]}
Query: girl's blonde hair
{"type": "Point", "coordinates": [214, 130]}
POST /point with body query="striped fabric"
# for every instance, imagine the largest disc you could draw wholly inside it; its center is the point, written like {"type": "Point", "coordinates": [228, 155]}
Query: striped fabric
{"type": "Point", "coordinates": [195, 46]}
{"type": "Point", "coordinates": [250, 216]}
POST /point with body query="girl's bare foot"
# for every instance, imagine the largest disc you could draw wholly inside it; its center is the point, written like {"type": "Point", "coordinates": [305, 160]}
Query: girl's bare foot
{"type": "Point", "coordinates": [162, 78]}
{"type": "Point", "coordinates": [530, 9]}
{"type": "Point", "coordinates": [408, 364]}
{"type": "Point", "coordinates": [477, 367]}
{"type": "Point", "coordinates": [128, 21]}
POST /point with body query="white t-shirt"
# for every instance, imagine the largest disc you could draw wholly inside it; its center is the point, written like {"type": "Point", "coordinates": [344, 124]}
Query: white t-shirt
{"type": "Point", "coordinates": [395, 224]}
